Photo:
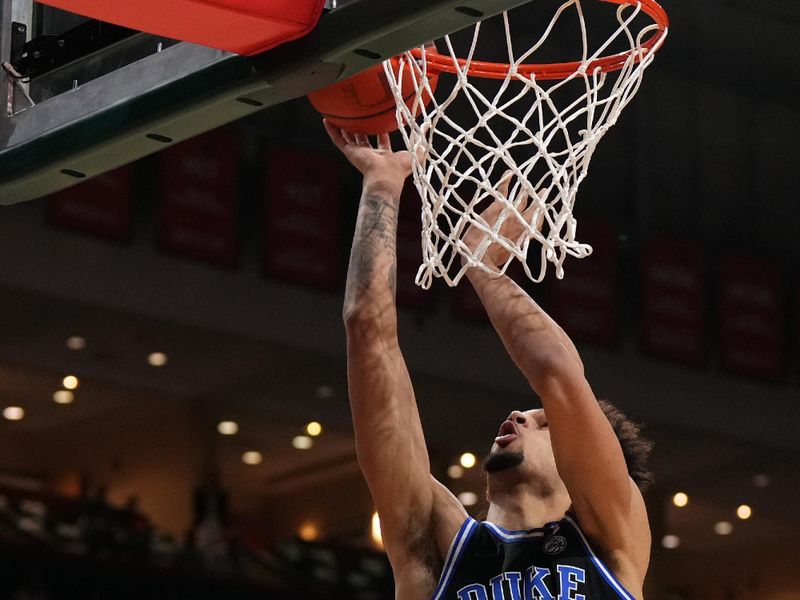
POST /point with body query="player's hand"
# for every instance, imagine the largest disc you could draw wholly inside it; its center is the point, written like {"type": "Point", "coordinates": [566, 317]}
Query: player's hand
{"type": "Point", "coordinates": [378, 165]}
{"type": "Point", "coordinates": [512, 228]}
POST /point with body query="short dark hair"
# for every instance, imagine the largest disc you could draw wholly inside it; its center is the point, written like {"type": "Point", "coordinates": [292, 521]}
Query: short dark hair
{"type": "Point", "coordinates": [635, 447]}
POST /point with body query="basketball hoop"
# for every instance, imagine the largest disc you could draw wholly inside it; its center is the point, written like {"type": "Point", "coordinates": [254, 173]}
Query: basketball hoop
{"type": "Point", "coordinates": [515, 125]}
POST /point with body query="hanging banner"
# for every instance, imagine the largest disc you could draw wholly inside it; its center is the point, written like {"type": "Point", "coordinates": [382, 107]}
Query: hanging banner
{"type": "Point", "coordinates": [198, 207]}
{"type": "Point", "coordinates": [673, 300]}
{"type": "Point", "coordinates": [584, 302]}
{"type": "Point", "coordinates": [302, 194]}
{"type": "Point", "coordinates": [752, 317]}
{"type": "Point", "coordinates": [102, 206]}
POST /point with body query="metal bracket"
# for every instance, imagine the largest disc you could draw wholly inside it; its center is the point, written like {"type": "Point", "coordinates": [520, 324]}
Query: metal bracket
{"type": "Point", "coordinates": [19, 34]}
{"type": "Point", "coordinates": [50, 52]}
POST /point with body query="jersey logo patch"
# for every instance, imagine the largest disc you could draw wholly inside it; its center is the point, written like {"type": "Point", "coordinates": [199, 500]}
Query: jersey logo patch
{"type": "Point", "coordinates": [555, 545]}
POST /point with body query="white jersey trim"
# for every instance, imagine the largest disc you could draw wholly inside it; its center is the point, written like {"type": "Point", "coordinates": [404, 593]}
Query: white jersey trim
{"type": "Point", "coordinates": [513, 536]}
{"type": "Point", "coordinates": [601, 567]}
{"type": "Point", "coordinates": [454, 554]}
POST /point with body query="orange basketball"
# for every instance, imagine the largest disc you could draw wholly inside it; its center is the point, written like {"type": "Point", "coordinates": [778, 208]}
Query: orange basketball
{"type": "Point", "coordinates": [364, 103]}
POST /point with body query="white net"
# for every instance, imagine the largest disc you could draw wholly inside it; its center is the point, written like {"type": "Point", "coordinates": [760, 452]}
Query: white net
{"type": "Point", "coordinates": [538, 131]}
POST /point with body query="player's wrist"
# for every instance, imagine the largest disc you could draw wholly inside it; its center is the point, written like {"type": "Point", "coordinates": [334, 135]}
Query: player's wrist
{"type": "Point", "coordinates": [385, 183]}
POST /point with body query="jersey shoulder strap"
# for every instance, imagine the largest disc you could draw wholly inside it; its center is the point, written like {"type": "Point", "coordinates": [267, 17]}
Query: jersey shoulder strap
{"type": "Point", "coordinates": [601, 567]}
{"type": "Point", "coordinates": [454, 555]}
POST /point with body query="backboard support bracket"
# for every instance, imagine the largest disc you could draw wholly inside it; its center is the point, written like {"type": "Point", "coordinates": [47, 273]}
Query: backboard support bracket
{"type": "Point", "coordinates": [19, 35]}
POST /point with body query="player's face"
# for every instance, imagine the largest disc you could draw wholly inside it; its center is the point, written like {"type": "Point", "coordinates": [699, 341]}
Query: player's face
{"type": "Point", "coordinates": [522, 438]}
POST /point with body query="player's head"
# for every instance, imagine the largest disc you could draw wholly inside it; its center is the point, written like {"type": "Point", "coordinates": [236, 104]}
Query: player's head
{"type": "Point", "coordinates": [523, 449]}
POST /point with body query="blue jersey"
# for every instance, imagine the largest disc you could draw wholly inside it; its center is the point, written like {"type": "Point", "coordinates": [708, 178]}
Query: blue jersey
{"type": "Point", "coordinates": [486, 562]}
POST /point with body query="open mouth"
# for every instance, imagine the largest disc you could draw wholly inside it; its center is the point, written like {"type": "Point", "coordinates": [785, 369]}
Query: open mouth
{"type": "Point", "coordinates": [507, 434]}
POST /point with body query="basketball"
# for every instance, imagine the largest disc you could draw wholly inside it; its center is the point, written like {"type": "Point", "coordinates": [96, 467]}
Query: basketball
{"type": "Point", "coordinates": [364, 103]}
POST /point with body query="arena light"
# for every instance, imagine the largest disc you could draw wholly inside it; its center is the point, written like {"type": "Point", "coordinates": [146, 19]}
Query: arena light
{"type": "Point", "coordinates": [14, 413]}
{"type": "Point", "coordinates": [670, 542]}
{"type": "Point", "coordinates": [252, 457]}
{"type": "Point", "coordinates": [76, 342]}
{"type": "Point", "coordinates": [314, 429]}
{"type": "Point", "coordinates": [744, 512]}
{"type": "Point", "coordinates": [302, 442]}
{"type": "Point", "coordinates": [468, 498]}
{"type": "Point", "coordinates": [680, 499]}
{"type": "Point", "coordinates": [70, 382]}
{"type": "Point", "coordinates": [455, 472]}
{"type": "Point", "coordinates": [228, 427]}
{"type": "Point", "coordinates": [468, 460]}
{"type": "Point", "coordinates": [63, 397]}
{"type": "Point", "coordinates": [157, 359]}
{"type": "Point", "coordinates": [308, 532]}
{"type": "Point", "coordinates": [375, 530]}
{"type": "Point", "coordinates": [723, 528]}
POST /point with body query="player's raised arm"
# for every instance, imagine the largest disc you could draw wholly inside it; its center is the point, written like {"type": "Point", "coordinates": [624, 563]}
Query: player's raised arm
{"type": "Point", "coordinates": [389, 439]}
{"type": "Point", "coordinates": [588, 455]}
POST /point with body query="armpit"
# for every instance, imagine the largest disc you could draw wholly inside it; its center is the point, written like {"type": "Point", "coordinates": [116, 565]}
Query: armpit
{"type": "Point", "coordinates": [422, 547]}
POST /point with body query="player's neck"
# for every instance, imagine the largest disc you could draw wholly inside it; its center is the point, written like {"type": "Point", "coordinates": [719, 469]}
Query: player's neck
{"type": "Point", "coordinates": [526, 507]}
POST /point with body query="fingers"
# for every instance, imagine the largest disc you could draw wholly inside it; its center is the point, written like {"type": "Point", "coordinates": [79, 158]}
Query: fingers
{"type": "Point", "coordinates": [349, 137]}
{"type": "Point", "coordinates": [336, 134]}
{"type": "Point", "coordinates": [342, 137]}
{"type": "Point", "coordinates": [532, 211]}
{"type": "Point", "coordinates": [505, 181]}
{"type": "Point", "coordinates": [540, 221]}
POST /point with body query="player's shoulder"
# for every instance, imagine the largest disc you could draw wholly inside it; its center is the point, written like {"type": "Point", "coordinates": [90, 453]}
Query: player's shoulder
{"type": "Point", "coordinates": [448, 516]}
{"type": "Point", "coordinates": [419, 558]}
{"type": "Point", "coordinates": [627, 562]}
{"type": "Point", "coordinates": [418, 565]}
{"type": "Point", "coordinates": [428, 534]}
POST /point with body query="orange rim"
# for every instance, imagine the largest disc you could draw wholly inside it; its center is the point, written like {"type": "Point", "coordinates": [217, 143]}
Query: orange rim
{"type": "Point", "coordinates": [491, 70]}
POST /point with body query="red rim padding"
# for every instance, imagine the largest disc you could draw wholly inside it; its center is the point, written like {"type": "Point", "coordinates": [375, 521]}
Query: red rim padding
{"type": "Point", "coordinates": [242, 26]}
{"type": "Point", "coordinates": [444, 63]}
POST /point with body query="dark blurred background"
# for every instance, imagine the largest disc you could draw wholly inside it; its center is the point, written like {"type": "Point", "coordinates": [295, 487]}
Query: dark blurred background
{"type": "Point", "coordinates": [196, 295]}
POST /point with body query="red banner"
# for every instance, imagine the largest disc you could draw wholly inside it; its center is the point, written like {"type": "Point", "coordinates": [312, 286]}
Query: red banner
{"type": "Point", "coordinates": [302, 213]}
{"type": "Point", "coordinates": [752, 317]}
{"type": "Point", "coordinates": [198, 213]}
{"type": "Point", "coordinates": [673, 292]}
{"type": "Point", "coordinates": [584, 302]}
{"type": "Point", "coordinates": [102, 206]}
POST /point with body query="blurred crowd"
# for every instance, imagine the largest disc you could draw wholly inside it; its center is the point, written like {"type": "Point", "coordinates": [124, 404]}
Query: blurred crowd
{"type": "Point", "coordinates": [55, 547]}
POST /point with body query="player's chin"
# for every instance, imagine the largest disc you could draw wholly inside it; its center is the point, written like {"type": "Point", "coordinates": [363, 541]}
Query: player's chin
{"type": "Point", "coordinates": [502, 459]}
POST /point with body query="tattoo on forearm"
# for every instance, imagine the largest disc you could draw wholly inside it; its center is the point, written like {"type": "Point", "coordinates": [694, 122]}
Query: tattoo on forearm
{"type": "Point", "coordinates": [380, 221]}
{"type": "Point", "coordinates": [376, 236]}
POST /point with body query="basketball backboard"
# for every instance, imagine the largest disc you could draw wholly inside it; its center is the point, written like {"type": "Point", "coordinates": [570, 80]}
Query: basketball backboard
{"type": "Point", "coordinates": [126, 94]}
